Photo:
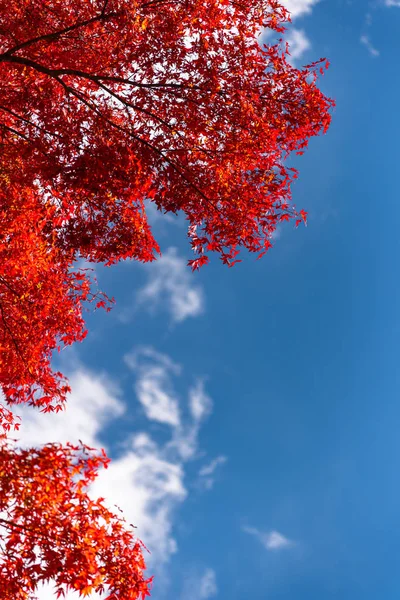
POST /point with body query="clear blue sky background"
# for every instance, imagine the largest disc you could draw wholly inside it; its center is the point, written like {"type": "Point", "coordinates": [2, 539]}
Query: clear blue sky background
{"type": "Point", "coordinates": [299, 353]}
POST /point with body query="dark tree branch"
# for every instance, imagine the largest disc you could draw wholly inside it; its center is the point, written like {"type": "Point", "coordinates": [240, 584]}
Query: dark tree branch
{"type": "Point", "coordinates": [28, 122]}
{"type": "Point", "coordinates": [56, 34]}
{"type": "Point", "coordinates": [57, 73]}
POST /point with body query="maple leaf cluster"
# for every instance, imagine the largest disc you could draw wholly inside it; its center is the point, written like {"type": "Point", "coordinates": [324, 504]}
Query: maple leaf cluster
{"type": "Point", "coordinates": [104, 105]}
{"type": "Point", "coordinates": [51, 530]}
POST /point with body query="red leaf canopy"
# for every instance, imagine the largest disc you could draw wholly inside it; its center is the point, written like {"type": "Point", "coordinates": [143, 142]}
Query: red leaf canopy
{"type": "Point", "coordinates": [50, 530]}
{"type": "Point", "coordinates": [107, 103]}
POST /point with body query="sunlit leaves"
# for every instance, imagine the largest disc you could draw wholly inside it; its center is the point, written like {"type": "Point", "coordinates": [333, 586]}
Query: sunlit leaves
{"type": "Point", "coordinates": [50, 529]}
{"type": "Point", "coordinates": [107, 103]}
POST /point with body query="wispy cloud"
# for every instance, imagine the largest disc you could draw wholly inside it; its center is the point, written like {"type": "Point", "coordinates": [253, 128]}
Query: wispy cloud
{"type": "Point", "coordinates": [200, 403]}
{"type": "Point", "coordinates": [171, 287]}
{"type": "Point", "coordinates": [200, 407]}
{"type": "Point", "coordinates": [298, 44]}
{"type": "Point", "coordinates": [212, 466]}
{"type": "Point", "coordinates": [154, 386]}
{"type": "Point", "coordinates": [200, 586]}
{"type": "Point", "coordinates": [147, 478]}
{"type": "Point", "coordinates": [392, 3]}
{"type": "Point", "coordinates": [208, 584]}
{"type": "Point", "coordinates": [271, 540]}
{"type": "Point", "coordinates": [364, 39]}
{"type": "Point", "coordinates": [207, 472]}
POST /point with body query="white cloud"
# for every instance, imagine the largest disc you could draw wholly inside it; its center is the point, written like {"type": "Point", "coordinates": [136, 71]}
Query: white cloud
{"type": "Point", "coordinates": [186, 437]}
{"type": "Point", "coordinates": [296, 38]}
{"type": "Point", "coordinates": [157, 216]}
{"type": "Point", "coordinates": [46, 592]}
{"type": "Point", "coordinates": [154, 387]}
{"type": "Point", "coordinates": [138, 357]}
{"type": "Point", "coordinates": [298, 44]}
{"type": "Point", "coordinates": [200, 402]}
{"type": "Point", "coordinates": [94, 402]}
{"type": "Point", "coordinates": [171, 286]}
{"type": "Point", "coordinates": [155, 393]}
{"type": "Point", "coordinates": [364, 39]}
{"type": "Point", "coordinates": [201, 586]}
{"type": "Point", "coordinates": [392, 2]}
{"type": "Point", "coordinates": [211, 467]}
{"type": "Point", "coordinates": [158, 404]}
{"type": "Point", "coordinates": [147, 479]}
{"type": "Point", "coordinates": [208, 584]}
{"type": "Point", "coordinates": [207, 472]}
{"type": "Point", "coordinates": [271, 540]}
{"type": "Point", "coordinates": [148, 486]}
{"type": "Point", "coordinates": [298, 8]}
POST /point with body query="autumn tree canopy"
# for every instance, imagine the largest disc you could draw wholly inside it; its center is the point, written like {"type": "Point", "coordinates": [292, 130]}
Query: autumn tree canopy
{"type": "Point", "coordinates": [107, 103]}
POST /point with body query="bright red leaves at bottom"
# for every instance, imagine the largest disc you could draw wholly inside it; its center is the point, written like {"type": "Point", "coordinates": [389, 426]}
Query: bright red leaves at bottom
{"type": "Point", "coordinates": [52, 531]}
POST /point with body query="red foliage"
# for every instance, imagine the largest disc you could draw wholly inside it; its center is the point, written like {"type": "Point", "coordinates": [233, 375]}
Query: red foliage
{"type": "Point", "coordinates": [52, 531]}
{"type": "Point", "coordinates": [106, 103]}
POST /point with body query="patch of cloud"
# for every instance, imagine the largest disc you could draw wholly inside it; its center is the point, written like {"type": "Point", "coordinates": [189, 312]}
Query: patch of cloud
{"type": "Point", "coordinates": [147, 479]}
{"type": "Point", "coordinates": [185, 440]}
{"type": "Point", "coordinates": [212, 466]}
{"type": "Point", "coordinates": [276, 234]}
{"type": "Point", "coordinates": [364, 39]}
{"type": "Point", "coordinates": [154, 386]}
{"type": "Point", "coordinates": [208, 584]}
{"type": "Point", "coordinates": [271, 540]}
{"type": "Point", "coordinates": [143, 356]}
{"type": "Point", "coordinates": [392, 3]}
{"type": "Point", "coordinates": [93, 403]}
{"type": "Point", "coordinates": [298, 8]}
{"type": "Point", "coordinates": [201, 586]}
{"type": "Point", "coordinates": [148, 486]}
{"type": "Point", "coordinates": [46, 592]}
{"type": "Point", "coordinates": [171, 287]}
{"type": "Point", "coordinates": [207, 472]}
{"type": "Point", "coordinates": [298, 44]}
{"type": "Point", "coordinates": [156, 216]}
{"type": "Point", "coordinates": [200, 402]}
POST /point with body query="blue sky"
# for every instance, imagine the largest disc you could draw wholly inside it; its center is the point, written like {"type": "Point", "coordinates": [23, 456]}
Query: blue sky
{"type": "Point", "coordinates": [252, 413]}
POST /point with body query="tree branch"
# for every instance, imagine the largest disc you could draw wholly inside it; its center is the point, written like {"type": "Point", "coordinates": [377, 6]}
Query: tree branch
{"type": "Point", "coordinates": [28, 122]}
{"type": "Point", "coordinates": [57, 73]}
{"type": "Point", "coordinates": [145, 143]}
{"type": "Point", "coordinates": [56, 34]}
